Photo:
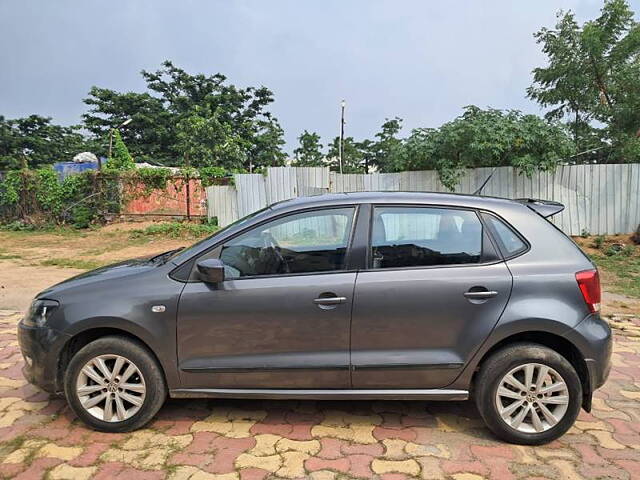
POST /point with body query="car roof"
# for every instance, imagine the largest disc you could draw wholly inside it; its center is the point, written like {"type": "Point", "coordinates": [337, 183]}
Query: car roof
{"type": "Point", "coordinates": [437, 198]}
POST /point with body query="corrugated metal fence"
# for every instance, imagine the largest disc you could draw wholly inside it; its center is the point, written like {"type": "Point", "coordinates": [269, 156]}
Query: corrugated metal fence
{"type": "Point", "coordinates": [599, 199]}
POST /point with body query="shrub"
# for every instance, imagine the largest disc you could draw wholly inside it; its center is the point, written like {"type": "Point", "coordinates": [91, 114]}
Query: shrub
{"type": "Point", "coordinates": [121, 158]}
{"type": "Point", "coordinates": [598, 242]}
{"type": "Point", "coordinates": [176, 230]}
{"type": "Point", "coordinates": [628, 250]}
{"type": "Point", "coordinates": [36, 197]}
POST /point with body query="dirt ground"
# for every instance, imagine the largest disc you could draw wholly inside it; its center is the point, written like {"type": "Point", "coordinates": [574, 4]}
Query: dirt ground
{"type": "Point", "coordinates": [28, 260]}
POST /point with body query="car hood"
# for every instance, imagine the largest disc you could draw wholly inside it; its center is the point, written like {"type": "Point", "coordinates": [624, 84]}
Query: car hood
{"type": "Point", "coordinates": [112, 272]}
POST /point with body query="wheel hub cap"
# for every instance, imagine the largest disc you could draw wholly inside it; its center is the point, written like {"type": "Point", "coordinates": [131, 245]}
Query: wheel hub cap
{"type": "Point", "coordinates": [111, 388]}
{"type": "Point", "coordinates": [532, 398]}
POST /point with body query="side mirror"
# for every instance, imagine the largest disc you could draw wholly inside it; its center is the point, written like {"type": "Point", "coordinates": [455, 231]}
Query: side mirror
{"type": "Point", "coordinates": [211, 270]}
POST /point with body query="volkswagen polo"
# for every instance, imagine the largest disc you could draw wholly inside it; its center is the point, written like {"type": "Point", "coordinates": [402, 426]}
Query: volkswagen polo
{"type": "Point", "coordinates": [420, 296]}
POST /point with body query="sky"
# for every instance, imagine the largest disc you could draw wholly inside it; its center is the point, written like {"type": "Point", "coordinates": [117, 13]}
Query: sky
{"type": "Point", "coordinates": [420, 60]}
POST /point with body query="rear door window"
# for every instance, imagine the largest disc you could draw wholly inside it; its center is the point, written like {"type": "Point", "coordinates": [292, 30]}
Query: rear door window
{"type": "Point", "coordinates": [424, 236]}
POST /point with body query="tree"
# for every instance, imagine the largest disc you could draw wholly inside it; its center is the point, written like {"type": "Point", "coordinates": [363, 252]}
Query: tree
{"type": "Point", "coordinates": [37, 141]}
{"type": "Point", "coordinates": [593, 78]}
{"type": "Point", "coordinates": [309, 152]}
{"type": "Point", "coordinates": [206, 141]}
{"type": "Point", "coordinates": [353, 156]}
{"type": "Point", "coordinates": [225, 118]}
{"type": "Point", "coordinates": [486, 138]}
{"type": "Point", "coordinates": [387, 149]}
{"type": "Point", "coordinates": [150, 136]}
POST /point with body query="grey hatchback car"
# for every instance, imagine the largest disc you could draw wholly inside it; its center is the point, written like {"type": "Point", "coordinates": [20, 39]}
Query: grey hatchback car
{"type": "Point", "coordinates": [420, 296]}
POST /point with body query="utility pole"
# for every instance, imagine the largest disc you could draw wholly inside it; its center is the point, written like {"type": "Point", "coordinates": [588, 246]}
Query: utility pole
{"type": "Point", "coordinates": [341, 146]}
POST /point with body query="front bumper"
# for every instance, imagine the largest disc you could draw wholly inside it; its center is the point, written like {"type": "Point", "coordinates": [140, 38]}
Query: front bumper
{"type": "Point", "coordinates": [593, 338]}
{"type": "Point", "coordinates": [41, 347]}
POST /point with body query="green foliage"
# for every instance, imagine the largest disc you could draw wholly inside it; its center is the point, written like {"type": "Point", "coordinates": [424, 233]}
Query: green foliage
{"type": "Point", "coordinates": [24, 190]}
{"type": "Point", "coordinates": [34, 141]}
{"type": "Point", "coordinates": [628, 250]}
{"type": "Point", "coordinates": [18, 226]}
{"type": "Point", "coordinates": [592, 79]}
{"type": "Point", "coordinates": [309, 152]}
{"type": "Point", "coordinates": [612, 250]}
{"type": "Point", "coordinates": [212, 175]}
{"type": "Point", "coordinates": [486, 138]}
{"type": "Point", "coordinates": [37, 197]}
{"type": "Point", "coordinates": [150, 178]}
{"type": "Point", "coordinates": [387, 152]}
{"type": "Point", "coordinates": [598, 242]}
{"type": "Point", "coordinates": [185, 230]}
{"type": "Point", "coordinates": [121, 158]}
{"type": "Point", "coordinates": [353, 156]}
{"type": "Point", "coordinates": [201, 117]}
{"type": "Point", "coordinates": [205, 140]}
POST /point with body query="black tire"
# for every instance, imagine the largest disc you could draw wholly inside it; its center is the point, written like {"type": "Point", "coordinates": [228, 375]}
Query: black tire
{"type": "Point", "coordinates": [156, 389]}
{"type": "Point", "coordinates": [502, 362]}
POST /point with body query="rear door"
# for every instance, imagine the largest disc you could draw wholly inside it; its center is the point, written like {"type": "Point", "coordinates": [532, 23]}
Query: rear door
{"type": "Point", "coordinates": [433, 291]}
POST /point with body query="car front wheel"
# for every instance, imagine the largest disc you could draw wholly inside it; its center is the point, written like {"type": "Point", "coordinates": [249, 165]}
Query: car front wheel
{"type": "Point", "coordinates": [528, 394]}
{"type": "Point", "coordinates": [114, 384]}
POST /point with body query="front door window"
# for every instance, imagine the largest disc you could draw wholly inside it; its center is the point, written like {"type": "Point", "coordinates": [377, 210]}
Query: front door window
{"type": "Point", "coordinates": [307, 242]}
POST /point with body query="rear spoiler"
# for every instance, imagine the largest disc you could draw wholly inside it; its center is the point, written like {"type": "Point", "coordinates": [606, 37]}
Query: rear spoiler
{"type": "Point", "coordinates": [546, 208]}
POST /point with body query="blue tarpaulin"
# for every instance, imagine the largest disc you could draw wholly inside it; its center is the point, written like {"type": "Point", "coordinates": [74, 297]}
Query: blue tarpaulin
{"type": "Point", "coordinates": [64, 169]}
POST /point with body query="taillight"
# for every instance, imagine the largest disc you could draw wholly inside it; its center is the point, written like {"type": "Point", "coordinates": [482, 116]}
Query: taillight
{"type": "Point", "coordinates": [589, 283]}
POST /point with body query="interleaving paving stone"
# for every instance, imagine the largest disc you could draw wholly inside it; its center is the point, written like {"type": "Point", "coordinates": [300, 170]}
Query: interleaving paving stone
{"type": "Point", "coordinates": [257, 440]}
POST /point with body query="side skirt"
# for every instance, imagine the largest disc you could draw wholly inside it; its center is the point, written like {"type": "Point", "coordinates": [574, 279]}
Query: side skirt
{"type": "Point", "coordinates": [300, 394]}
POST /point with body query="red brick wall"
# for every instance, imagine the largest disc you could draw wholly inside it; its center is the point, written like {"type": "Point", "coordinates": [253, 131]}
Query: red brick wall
{"type": "Point", "coordinates": [171, 201]}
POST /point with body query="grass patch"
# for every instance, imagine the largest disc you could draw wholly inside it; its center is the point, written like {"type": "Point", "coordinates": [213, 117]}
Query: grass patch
{"type": "Point", "coordinates": [60, 231]}
{"type": "Point", "coordinates": [624, 268]}
{"type": "Point", "coordinates": [175, 230]}
{"type": "Point", "coordinates": [72, 263]}
{"type": "Point", "coordinates": [8, 256]}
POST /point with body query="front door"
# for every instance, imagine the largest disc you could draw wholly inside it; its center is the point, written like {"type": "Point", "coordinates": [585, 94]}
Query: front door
{"type": "Point", "coordinates": [433, 292]}
{"type": "Point", "coordinates": [281, 318]}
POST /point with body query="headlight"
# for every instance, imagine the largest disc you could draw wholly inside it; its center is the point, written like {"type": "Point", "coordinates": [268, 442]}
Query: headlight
{"type": "Point", "coordinates": [39, 312]}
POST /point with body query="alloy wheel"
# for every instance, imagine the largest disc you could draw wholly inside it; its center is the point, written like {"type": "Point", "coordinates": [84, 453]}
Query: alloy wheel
{"type": "Point", "coordinates": [532, 398]}
{"type": "Point", "coordinates": [111, 388]}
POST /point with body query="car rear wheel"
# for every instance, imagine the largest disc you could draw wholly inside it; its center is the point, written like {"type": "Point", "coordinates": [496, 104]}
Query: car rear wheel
{"type": "Point", "coordinates": [528, 394]}
{"type": "Point", "coordinates": [114, 384]}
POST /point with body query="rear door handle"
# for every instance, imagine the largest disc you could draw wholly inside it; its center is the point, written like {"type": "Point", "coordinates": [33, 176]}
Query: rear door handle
{"type": "Point", "coordinates": [329, 300]}
{"type": "Point", "coordinates": [481, 295]}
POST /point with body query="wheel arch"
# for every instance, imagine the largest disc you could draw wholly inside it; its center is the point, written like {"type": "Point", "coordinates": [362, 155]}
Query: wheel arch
{"type": "Point", "coordinates": [550, 340]}
{"type": "Point", "coordinates": [84, 337]}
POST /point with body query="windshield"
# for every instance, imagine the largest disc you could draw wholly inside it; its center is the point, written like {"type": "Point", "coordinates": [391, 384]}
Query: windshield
{"type": "Point", "coordinates": [196, 245]}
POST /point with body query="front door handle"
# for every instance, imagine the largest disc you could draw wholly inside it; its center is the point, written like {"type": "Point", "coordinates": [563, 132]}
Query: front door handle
{"type": "Point", "coordinates": [480, 295]}
{"type": "Point", "coordinates": [329, 300]}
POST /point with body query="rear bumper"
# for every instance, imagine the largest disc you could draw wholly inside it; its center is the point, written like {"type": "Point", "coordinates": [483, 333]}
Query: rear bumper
{"type": "Point", "coordinates": [593, 338]}
{"type": "Point", "coordinates": [41, 347]}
